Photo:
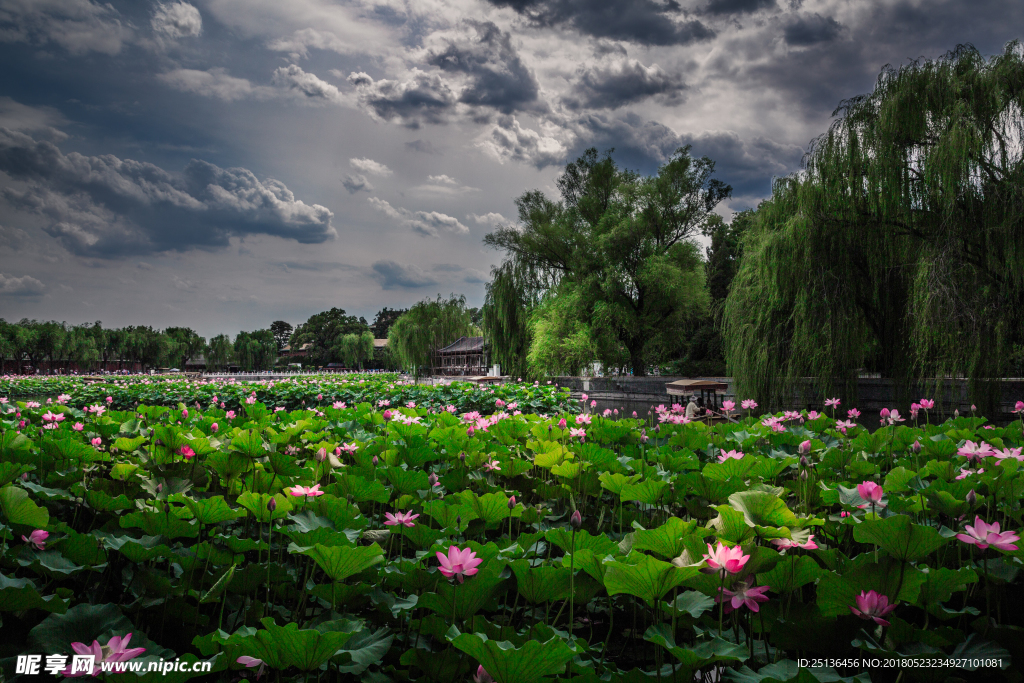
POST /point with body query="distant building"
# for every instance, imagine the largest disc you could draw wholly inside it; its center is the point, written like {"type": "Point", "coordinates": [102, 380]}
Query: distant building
{"type": "Point", "coordinates": [465, 356]}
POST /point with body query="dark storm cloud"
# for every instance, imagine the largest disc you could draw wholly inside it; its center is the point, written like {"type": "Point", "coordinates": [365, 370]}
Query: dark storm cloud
{"type": "Point", "coordinates": [106, 206]}
{"type": "Point", "coordinates": [393, 275]}
{"type": "Point", "coordinates": [646, 22]}
{"type": "Point", "coordinates": [420, 98]}
{"type": "Point", "coordinates": [639, 143]}
{"type": "Point", "coordinates": [623, 82]}
{"type": "Point", "coordinates": [747, 164]}
{"type": "Point", "coordinates": [808, 30]}
{"type": "Point", "coordinates": [498, 77]}
{"type": "Point", "coordinates": [738, 6]}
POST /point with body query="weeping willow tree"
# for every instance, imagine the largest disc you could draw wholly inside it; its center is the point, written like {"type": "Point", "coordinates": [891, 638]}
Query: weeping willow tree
{"type": "Point", "coordinates": [355, 349]}
{"type": "Point", "coordinates": [425, 328]}
{"type": "Point", "coordinates": [900, 248]}
{"type": "Point", "coordinates": [621, 245]}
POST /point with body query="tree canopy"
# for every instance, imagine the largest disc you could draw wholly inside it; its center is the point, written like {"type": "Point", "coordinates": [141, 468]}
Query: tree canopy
{"type": "Point", "coordinates": [426, 327]}
{"type": "Point", "coordinates": [620, 245]}
{"type": "Point", "coordinates": [323, 331]}
{"type": "Point", "coordinates": [900, 248]}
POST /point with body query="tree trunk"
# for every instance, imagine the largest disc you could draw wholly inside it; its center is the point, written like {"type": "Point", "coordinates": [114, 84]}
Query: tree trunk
{"type": "Point", "coordinates": [636, 357]}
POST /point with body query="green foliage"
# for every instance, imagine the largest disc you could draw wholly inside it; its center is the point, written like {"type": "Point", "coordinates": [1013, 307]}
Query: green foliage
{"type": "Point", "coordinates": [417, 335]}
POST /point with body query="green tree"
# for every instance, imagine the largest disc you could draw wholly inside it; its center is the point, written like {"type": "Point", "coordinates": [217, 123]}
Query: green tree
{"type": "Point", "coordinates": [384, 319]}
{"type": "Point", "coordinates": [282, 333]}
{"type": "Point", "coordinates": [623, 242]}
{"type": "Point", "coordinates": [427, 327]}
{"type": "Point", "coordinates": [323, 331]}
{"type": "Point", "coordinates": [561, 341]}
{"type": "Point", "coordinates": [255, 351]}
{"type": "Point", "coordinates": [186, 344]}
{"type": "Point", "coordinates": [355, 349]}
{"type": "Point", "coordinates": [898, 249]}
{"type": "Point", "coordinates": [219, 353]}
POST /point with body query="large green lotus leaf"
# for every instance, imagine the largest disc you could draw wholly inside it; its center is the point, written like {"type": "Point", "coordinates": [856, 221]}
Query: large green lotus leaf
{"type": "Point", "coordinates": [135, 549]}
{"type": "Point", "coordinates": [601, 545]}
{"type": "Point", "coordinates": [761, 508]}
{"type": "Point", "coordinates": [210, 510]}
{"type": "Point", "coordinates": [83, 549]}
{"type": "Point", "coordinates": [491, 507]}
{"type": "Point", "coordinates": [363, 649]}
{"type": "Point", "coordinates": [49, 563]}
{"type": "Point", "coordinates": [18, 508]}
{"type": "Point", "coordinates": [648, 491]}
{"type": "Point", "coordinates": [788, 671]}
{"type": "Point", "coordinates": [407, 481]}
{"type": "Point", "coordinates": [791, 573]}
{"type": "Point", "coordinates": [446, 515]}
{"type": "Point", "coordinates": [700, 655]}
{"type": "Point", "coordinates": [256, 503]}
{"type": "Point", "coordinates": [9, 471]}
{"type": "Point", "coordinates": [219, 586]}
{"type": "Point", "coordinates": [648, 579]}
{"type": "Point", "coordinates": [508, 664]}
{"type": "Point", "coordinates": [284, 465]}
{"type": "Point", "coordinates": [900, 537]}
{"type": "Point", "coordinates": [343, 514]}
{"type": "Point", "coordinates": [82, 623]}
{"type": "Point", "coordinates": [711, 490]}
{"type": "Point", "coordinates": [588, 561]}
{"type": "Point", "coordinates": [360, 488]}
{"type": "Point", "coordinates": [420, 535]}
{"type": "Point", "coordinates": [541, 584]}
{"type": "Point", "coordinates": [470, 596]}
{"type": "Point", "coordinates": [836, 594]}
{"type": "Point", "coordinates": [693, 603]}
{"type": "Point", "coordinates": [616, 482]}
{"type": "Point", "coordinates": [770, 468]}
{"type": "Point", "coordinates": [13, 447]}
{"type": "Point", "coordinates": [249, 443]}
{"type": "Point", "coordinates": [66, 449]}
{"type": "Point", "coordinates": [126, 445]}
{"type": "Point", "coordinates": [666, 540]}
{"type": "Point", "coordinates": [731, 525]}
{"type": "Point", "coordinates": [341, 562]}
{"type": "Point", "coordinates": [941, 583]}
{"type": "Point", "coordinates": [21, 594]}
{"type": "Point", "coordinates": [732, 467]}
{"type": "Point", "coordinates": [305, 649]}
{"type": "Point", "coordinates": [159, 524]}
{"type": "Point", "coordinates": [46, 494]}
{"type": "Point", "coordinates": [99, 500]}
{"type": "Point", "coordinates": [228, 465]}
{"type": "Point", "coordinates": [437, 665]}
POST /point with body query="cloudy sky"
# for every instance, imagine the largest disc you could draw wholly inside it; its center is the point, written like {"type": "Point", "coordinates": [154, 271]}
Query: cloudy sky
{"type": "Point", "coordinates": [225, 163]}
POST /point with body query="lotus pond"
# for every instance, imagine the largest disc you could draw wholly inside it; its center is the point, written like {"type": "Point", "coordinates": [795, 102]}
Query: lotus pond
{"type": "Point", "coordinates": [417, 542]}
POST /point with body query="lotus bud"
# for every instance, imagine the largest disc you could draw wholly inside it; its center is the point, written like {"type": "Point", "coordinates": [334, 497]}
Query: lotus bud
{"type": "Point", "coordinates": [805, 447]}
{"type": "Point", "coordinates": [184, 414]}
{"type": "Point", "coordinates": [634, 414]}
{"type": "Point", "coordinates": [956, 413]}
{"type": "Point", "coordinates": [972, 498]}
{"type": "Point", "coordinates": [214, 428]}
{"type": "Point", "coordinates": [916, 447]}
{"type": "Point", "coordinates": [387, 415]}
{"type": "Point", "coordinates": [159, 488]}
{"type": "Point", "coordinates": [375, 461]}
{"type": "Point", "coordinates": [804, 462]}
{"type": "Point", "coordinates": [432, 479]}
{"type": "Point", "coordinates": [24, 476]}
{"type": "Point", "coordinates": [458, 521]}
{"type": "Point", "coordinates": [803, 475]}
{"type": "Point", "coordinates": [462, 457]}
{"type": "Point", "coordinates": [167, 508]}
{"type": "Point", "coordinates": [321, 454]}
{"type": "Point", "coordinates": [272, 504]}
{"type": "Point", "coordinates": [576, 520]}
{"type": "Point", "coordinates": [512, 503]}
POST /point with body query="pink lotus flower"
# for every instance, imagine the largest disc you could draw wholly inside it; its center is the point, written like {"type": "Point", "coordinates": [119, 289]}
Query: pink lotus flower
{"type": "Point", "coordinates": [184, 414]}
{"type": "Point", "coordinates": [403, 518]}
{"type": "Point", "coordinates": [844, 425]}
{"type": "Point", "coordinates": [832, 402]}
{"type": "Point", "coordinates": [230, 414]}
{"type": "Point", "coordinates": [728, 406]}
{"type": "Point", "coordinates": [894, 417]}
{"type": "Point", "coordinates": [584, 398]}
{"type": "Point", "coordinates": [251, 400]}
{"type": "Point", "coordinates": [745, 594]}
{"type": "Point", "coordinates": [481, 675]}
{"type": "Point", "coordinates": [786, 543]}
{"type": "Point", "coordinates": [973, 451]}
{"type": "Point", "coordinates": [1018, 407]}
{"type": "Point", "coordinates": [187, 452]}
{"type": "Point", "coordinates": [78, 426]}
{"type": "Point", "coordinates": [492, 466]}
{"type": "Point", "coordinates": [53, 417]}
{"type": "Point", "coordinates": [250, 662]}
{"type": "Point", "coordinates": [458, 563]}
{"type": "Point", "coordinates": [983, 535]}
{"type": "Point", "coordinates": [116, 650]}
{"type": "Point", "coordinates": [96, 441]}
{"type": "Point", "coordinates": [1013, 453]}
{"type": "Point", "coordinates": [561, 423]}
{"type": "Point", "coordinates": [577, 433]}
{"type": "Point", "coordinates": [309, 492]}
{"type": "Point", "coordinates": [927, 403]}
{"type": "Point", "coordinates": [873, 606]}
{"type": "Point", "coordinates": [583, 419]}
{"type": "Point", "coordinates": [110, 399]}
{"type": "Point", "coordinates": [593, 404]}
{"type": "Point", "coordinates": [349, 448]}
{"type": "Point", "coordinates": [872, 493]}
{"type": "Point", "coordinates": [214, 428]}
{"type": "Point", "coordinates": [748, 404]}
{"type": "Point", "coordinates": [853, 413]}
{"type": "Point", "coordinates": [37, 539]}
{"type": "Point", "coordinates": [726, 455]}
{"type": "Point", "coordinates": [726, 559]}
